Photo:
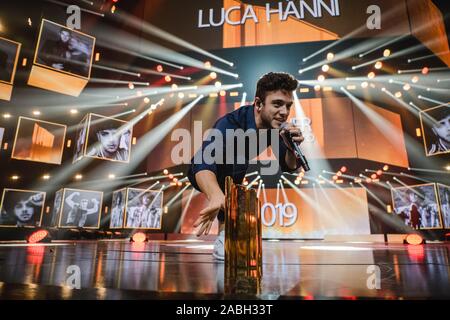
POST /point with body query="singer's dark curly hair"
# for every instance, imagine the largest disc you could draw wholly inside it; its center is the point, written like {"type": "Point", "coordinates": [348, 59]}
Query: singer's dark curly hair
{"type": "Point", "coordinates": [274, 81]}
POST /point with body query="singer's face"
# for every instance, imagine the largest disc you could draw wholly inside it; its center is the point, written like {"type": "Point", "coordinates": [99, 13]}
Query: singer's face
{"type": "Point", "coordinates": [276, 108]}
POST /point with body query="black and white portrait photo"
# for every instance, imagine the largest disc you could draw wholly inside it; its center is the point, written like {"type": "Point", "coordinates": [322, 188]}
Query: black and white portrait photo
{"type": "Point", "coordinates": [118, 209]}
{"type": "Point", "coordinates": [66, 50]}
{"type": "Point", "coordinates": [57, 203]}
{"type": "Point", "coordinates": [21, 208]}
{"type": "Point", "coordinates": [81, 209]}
{"type": "Point", "coordinates": [436, 130]}
{"type": "Point", "coordinates": [2, 132]}
{"type": "Point", "coordinates": [144, 209]}
{"type": "Point", "coordinates": [9, 53]}
{"type": "Point", "coordinates": [418, 206]}
{"type": "Point", "coordinates": [80, 142]}
{"type": "Point", "coordinates": [444, 199]}
{"type": "Point", "coordinates": [109, 139]}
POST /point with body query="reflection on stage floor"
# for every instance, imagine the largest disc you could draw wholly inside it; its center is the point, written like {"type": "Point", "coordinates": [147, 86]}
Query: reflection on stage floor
{"type": "Point", "coordinates": [186, 270]}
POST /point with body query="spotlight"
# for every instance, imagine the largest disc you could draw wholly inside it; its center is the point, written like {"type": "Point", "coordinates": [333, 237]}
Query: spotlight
{"type": "Point", "coordinates": [425, 70]}
{"type": "Point", "coordinates": [166, 172]}
{"type": "Point", "coordinates": [374, 176]}
{"type": "Point", "coordinates": [111, 176]}
{"type": "Point", "coordinates": [46, 177]}
{"type": "Point", "coordinates": [146, 100]}
{"type": "Point", "coordinates": [344, 169]}
{"type": "Point", "coordinates": [371, 75]}
{"type": "Point", "coordinates": [378, 65]}
{"type": "Point", "coordinates": [316, 87]}
{"type": "Point", "coordinates": [213, 75]}
{"type": "Point", "coordinates": [167, 78]}
{"type": "Point", "coordinates": [406, 87]}
{"type": "Point", "coordinates": [330, 56]}
{"type": "Point", "coordinates": [181, 95]}
{"type": "Point", "coordinates": [386, 168]}
{"type": "Point", "coordinates": [207, 65]}
{"type": "Point", "coordinates": [6, 116]}
{"type": "Point", "coordinates": [15, 178]}
{"type": "Point", "coordinates": [325, 68]}
{"type": "Point", "coordinates": [78, 177]}
{"type": "Point", "coordinates": [218, 84]}
{"type": "Point", "coordinates": [36, 113]}
{"type": "Point", "coordinates": [379, 172]}
{"type": "Point", "coordinates": [131, 86]}
{"type": "Point", "coordinates": [174, 87]}
{"type": "Point", "coordinates": [398, 94]}
{"type": "Point", "coordinates": [321, 78]}
{"type": "Point", "coordinates": [39, 236]}
{"type": "Point", "coordinates": [139, 237]}
{"type": "Point", "coordinates": [159, 68]}
{"type": "Point", "coordinates": [223, 93]}
{"type": "Point", "coordinates": [365, 84]}
{"type": "Point", "coordinates": [386, 53]}
{"type": "Point", "coordinates": [415, 79]}
{"type": "Point", "coordinates": [414, 239]}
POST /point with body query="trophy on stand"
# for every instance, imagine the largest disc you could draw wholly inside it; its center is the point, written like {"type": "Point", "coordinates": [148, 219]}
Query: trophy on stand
{"type": "Point", "coordinates": [243, 240]}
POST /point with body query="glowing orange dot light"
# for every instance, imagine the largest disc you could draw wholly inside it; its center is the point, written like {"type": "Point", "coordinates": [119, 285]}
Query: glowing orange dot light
{"type": "Point", "coordinates": [139, 237]}
{"type": "Point", "coordinates": [414, 239]}
{"type": "Point", "coordinates": [37, 236]}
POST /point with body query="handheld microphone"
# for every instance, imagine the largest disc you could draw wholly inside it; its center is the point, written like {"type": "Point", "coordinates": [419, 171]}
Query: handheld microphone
{"type": "Point", "coordinates": [301, 159]}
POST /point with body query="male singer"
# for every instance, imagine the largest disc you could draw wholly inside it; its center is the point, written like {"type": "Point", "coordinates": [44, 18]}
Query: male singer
{"type": "Point", "coordinates": [271, 108]}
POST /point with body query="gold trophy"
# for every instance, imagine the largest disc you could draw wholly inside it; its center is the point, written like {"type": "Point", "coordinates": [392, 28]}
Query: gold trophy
{"type": "Point", "coordinates": [243, 240]}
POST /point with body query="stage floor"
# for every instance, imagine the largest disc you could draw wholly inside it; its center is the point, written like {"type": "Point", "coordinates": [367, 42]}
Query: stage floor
{"type": "Point", "coordinates": [186, 270]}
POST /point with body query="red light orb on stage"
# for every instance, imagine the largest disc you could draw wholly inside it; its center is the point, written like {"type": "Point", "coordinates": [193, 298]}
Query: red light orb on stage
{"type": "Point", "coordinates": [379, 172]}
{"type": "Point", "coordinates": [37, 236]}
{"type": "Point", "coordinates": [168, 78]}
{"type": "Point", "coordinates": [373, 176]}
{"type": "Point", "coordinates": [139, 237]}
{"type": "Point", "coordinates": [166, 172]}
{"type": "Point", "coordinates": [344, 169]}
{"type": "Point", "coordinates": [414, 239]}
{"type": "Point", "coordinates": [425, 70]}
{"type": "Point", "coordinates": [159, 68]}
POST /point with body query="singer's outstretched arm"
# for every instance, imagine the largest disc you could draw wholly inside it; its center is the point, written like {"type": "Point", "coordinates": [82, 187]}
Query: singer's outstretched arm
{"type": "Point", "coordinates": [207, 182]}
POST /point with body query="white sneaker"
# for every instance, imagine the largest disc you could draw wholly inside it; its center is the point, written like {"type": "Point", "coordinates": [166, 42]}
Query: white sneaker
{"type": "Point", "coordinates": [219, 247]}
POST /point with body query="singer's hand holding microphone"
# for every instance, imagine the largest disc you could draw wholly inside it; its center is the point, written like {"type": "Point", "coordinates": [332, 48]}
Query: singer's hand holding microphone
{"type": "Point", "coordinates": [293, 137]}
